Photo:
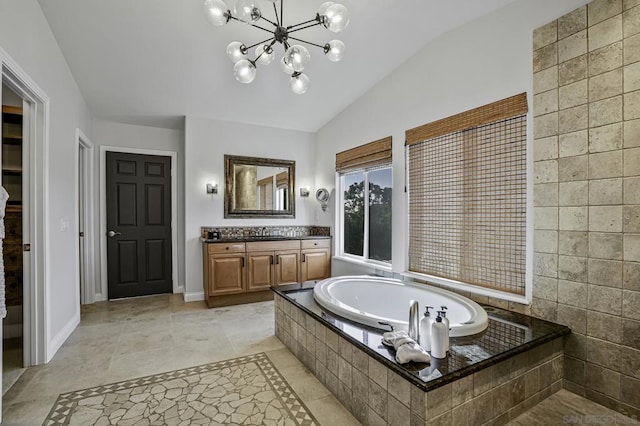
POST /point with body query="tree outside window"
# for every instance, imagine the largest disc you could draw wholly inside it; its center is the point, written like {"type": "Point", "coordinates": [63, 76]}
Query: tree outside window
{"type": "Point", "coordinates": [367, 226]}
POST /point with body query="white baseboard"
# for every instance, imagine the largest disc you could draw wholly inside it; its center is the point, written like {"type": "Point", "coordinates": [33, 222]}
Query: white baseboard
{"type": "Point", "coordinates": [193, 297]}
{"type": "Point", "coordinates": [54, 344]}
{"type": "Point", "coordinates": [98, 297]}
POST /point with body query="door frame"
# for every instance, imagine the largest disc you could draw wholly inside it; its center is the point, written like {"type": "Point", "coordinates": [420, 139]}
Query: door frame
{"type": "Point", "coordinates": [177, 288]}
{"type": "Point", "coordinates": [85, 148]}
{"type": "Point", "coordinates": [36, 307]}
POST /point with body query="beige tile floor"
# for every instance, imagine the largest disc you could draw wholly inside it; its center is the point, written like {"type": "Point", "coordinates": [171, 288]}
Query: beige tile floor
{"type": "Point", "coordinates": [137, 337]}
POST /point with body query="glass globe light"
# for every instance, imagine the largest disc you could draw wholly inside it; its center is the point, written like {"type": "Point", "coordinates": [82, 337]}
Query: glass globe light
{"type": "Point", "coordinates": [286, 67]}
{"type": "Point", "coordinates": [297, 56]}
{"type": "Point", "coordinates": [334, 50]}
{"type": "Point", "coordinates": [323, 8]}
{"type": "Point", "coordinates": [216, 12]}
{"type": "Point", "coordinates": [299, 83]}
{"type": "Point", "coordinates": [247, 11]}
{"type": "Point", "coordinates": [337, 18]}
{"type": "Point", "coordinates": [267, 57]}
{"type": "Point", "coordinates": [245, 71]}
{"type": "Point", "coordinates": [236, 51]}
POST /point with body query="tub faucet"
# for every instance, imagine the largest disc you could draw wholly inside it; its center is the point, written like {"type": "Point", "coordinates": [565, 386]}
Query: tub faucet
{"type": "Point", "coordinates": [414, 320]}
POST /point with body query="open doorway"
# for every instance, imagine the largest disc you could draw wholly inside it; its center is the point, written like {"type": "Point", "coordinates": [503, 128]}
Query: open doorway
{"type": "Point", "coordinates": [12, 180]}
{"type": "Point", "coordinates": [84, 181]}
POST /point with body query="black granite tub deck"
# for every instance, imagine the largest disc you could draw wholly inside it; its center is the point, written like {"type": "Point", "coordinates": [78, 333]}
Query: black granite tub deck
{"type": "Point", "coordinates": [507, 335]}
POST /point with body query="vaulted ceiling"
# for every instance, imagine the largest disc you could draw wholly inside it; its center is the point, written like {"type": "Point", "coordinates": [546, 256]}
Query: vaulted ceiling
{"type": "Point", "coordinates": [153, 61]}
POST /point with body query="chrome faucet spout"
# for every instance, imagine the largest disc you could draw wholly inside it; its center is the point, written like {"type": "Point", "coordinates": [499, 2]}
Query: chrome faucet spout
{"type": "Point", "coordinates": [414, 320]}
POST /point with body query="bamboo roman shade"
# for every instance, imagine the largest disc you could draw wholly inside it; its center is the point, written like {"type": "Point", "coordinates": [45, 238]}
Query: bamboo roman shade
{"type": "Point", "coordinates": [515, 105]}
{"type": "Point", "coordinates": [282, 179]}
{"type": "Point", "coordinates": [467, 197]}
{"type": "Point", "coordinates": [372, 154]}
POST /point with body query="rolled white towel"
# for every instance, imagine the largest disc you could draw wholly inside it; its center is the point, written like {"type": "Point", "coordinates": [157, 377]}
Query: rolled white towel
{"type": "Point", "coordinates": [407, 349]}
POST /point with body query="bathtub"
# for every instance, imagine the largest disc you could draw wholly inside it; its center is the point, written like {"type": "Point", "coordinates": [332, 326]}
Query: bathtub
{"type": "Point", "coordinates": [371, 300]}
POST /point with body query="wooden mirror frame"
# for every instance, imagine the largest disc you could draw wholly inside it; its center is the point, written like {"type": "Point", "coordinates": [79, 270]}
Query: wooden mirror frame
{"type": "Point", "coordinates": [232, 160]}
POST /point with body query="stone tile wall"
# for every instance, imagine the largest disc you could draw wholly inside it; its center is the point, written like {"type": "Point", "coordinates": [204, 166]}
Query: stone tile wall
{"type": "Point", "coordinates": [376, 395]}
{"type": "Point", "coordinates": [587, 195]}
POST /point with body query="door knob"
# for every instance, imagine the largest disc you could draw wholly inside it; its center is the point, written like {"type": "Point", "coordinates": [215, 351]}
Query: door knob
{"type": "Point", "coordinates": [112, 234]}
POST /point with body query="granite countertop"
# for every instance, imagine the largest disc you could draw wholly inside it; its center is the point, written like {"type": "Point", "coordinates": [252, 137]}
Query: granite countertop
{"type": "Point", "coordinates": [507, 335]}
{"type": "Point", "coordinates": [262, 238]}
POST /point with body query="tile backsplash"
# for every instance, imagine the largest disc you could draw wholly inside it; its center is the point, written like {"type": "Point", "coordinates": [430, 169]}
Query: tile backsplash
{"type": "Point", "coordinates": [230, 232]}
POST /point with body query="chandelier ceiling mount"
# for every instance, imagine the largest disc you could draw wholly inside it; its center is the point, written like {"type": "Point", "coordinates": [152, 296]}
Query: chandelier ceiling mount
{"type": "Point", "coordinates": [333, 16]}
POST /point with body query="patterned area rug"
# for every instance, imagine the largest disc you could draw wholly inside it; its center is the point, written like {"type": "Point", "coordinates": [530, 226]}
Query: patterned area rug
{"type": "Point", "coordinates": [241, 391]}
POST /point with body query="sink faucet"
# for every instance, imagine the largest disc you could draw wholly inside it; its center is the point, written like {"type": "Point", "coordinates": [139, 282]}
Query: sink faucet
{"type": "Point", "coordinates": [414, 320]}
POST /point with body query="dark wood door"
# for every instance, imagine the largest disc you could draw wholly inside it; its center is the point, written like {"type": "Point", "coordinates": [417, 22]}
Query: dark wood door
{"type": "Point", "coordinates": [138, 224]}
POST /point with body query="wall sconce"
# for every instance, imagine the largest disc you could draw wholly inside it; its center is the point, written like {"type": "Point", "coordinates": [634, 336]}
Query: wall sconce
{"type": "Point", "coordinates": [304, 192]}
{"type": "Point", "coordinates": [212, 188]}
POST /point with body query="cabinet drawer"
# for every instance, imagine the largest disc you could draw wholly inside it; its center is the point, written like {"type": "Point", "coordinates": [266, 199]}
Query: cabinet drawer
{"type": "Point", "coordinates": [226, 248]}
{"type": "Point", "coordinates": [319, 243]}
{"type": "Point", "coordinates": [273, 245]}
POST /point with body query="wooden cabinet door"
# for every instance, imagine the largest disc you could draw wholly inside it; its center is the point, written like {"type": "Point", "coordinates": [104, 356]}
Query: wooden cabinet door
{"type": "Point", "coordinates": [259, 271]}
{"type": "Point", "coordinates": [315, 264]}
{"type": "Point", "coordinates": [287, 267]}
{"type": "Point", "coordinates": [226, 274]}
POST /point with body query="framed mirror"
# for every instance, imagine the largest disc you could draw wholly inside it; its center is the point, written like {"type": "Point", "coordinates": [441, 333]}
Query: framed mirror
{"type": "Point", "coordinates": [259, 187]}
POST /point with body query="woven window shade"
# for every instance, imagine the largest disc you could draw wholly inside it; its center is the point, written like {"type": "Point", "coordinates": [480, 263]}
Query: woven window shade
{"type": "Point", "coordinates": [282, 179]}
{"type": "Point", "coordinates": [496, 111]}
{"type": "Point", "coordinates": [372, 154]}
{"type": "Point", "coordinates": [467, 204]}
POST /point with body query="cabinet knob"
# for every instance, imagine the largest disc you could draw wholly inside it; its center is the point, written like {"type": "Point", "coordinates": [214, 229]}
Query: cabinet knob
{"type": "Point", "coordinates": [227, 248]}
{"type": "Point", "coordinates": [315, 244]}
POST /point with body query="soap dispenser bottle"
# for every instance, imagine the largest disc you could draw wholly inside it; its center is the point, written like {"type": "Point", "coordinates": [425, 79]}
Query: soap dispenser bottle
{"type": "Point", "coordinates": [445, 321]}
{"type": "Point", "coordinates": [438, 339]}
{"type": "Point", "coordinates": [425, 329]}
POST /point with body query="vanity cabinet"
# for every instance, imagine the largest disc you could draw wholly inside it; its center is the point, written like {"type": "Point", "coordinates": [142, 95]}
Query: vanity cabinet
{"type": "Point", "coordinates": [272, 263]}
{"type": "Point", "coordinates": [224, 271]}
{"type": "Point", "coordinates": [243, 272]}
{"type": "Point", "coordinates": [316, 260]}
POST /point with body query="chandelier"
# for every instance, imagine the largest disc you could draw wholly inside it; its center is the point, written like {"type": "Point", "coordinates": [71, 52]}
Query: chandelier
{"type": "Point", "coordinates": [333, 16]}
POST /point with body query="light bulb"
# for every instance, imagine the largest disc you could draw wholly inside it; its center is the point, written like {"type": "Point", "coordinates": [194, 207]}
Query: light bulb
{"type": "Point", "coordinates": [286, 67]}
{"type": "Point", "coordinates": [334, 50]}
{"type": "Point", "coordinates": [247, 11]}
{"type": "Point", "coordinates": [216, 12]}
{"type": "Point", "coordinates": [299, 83]}
{"type": "Point", "coordinates": [267, 57]}
{"type": "Point", "coordinates": [298, 57]}
{"type": "Point", "coordinates": [337, 18]}
{"type": "Point", "coordinates": [236, 51]}
{"type": "Point", "coordinates": [244, 71]}
{"type": "Point", "coordinates": [323, 8]}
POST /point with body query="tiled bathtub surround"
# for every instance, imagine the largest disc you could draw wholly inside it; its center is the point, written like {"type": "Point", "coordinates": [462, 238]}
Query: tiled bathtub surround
{"type": "Point", "coordinates": [375, 393]}
{"type": "Point", "coordinates": [587, 195]}
{"type": "Point", "coordinates": [231, 232]}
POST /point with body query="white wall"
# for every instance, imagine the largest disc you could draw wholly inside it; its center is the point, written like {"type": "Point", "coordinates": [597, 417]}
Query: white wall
{"type": "Point", "coordinates": [26, 37]}
{"type": "Point", "coordinates": [206, 143]}
{"type": "Point", "coordinates": [481, 62]}
{"type": "Point", "coordinates": [118, 135]}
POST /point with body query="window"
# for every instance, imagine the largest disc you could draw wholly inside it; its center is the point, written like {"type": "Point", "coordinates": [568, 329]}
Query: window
{"type": "Point", "coordinates": [367, 226]}
{"type": "Point", "coordinates": [467, 180]}
{"type": "Point", "coordinates": [365, 191]}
